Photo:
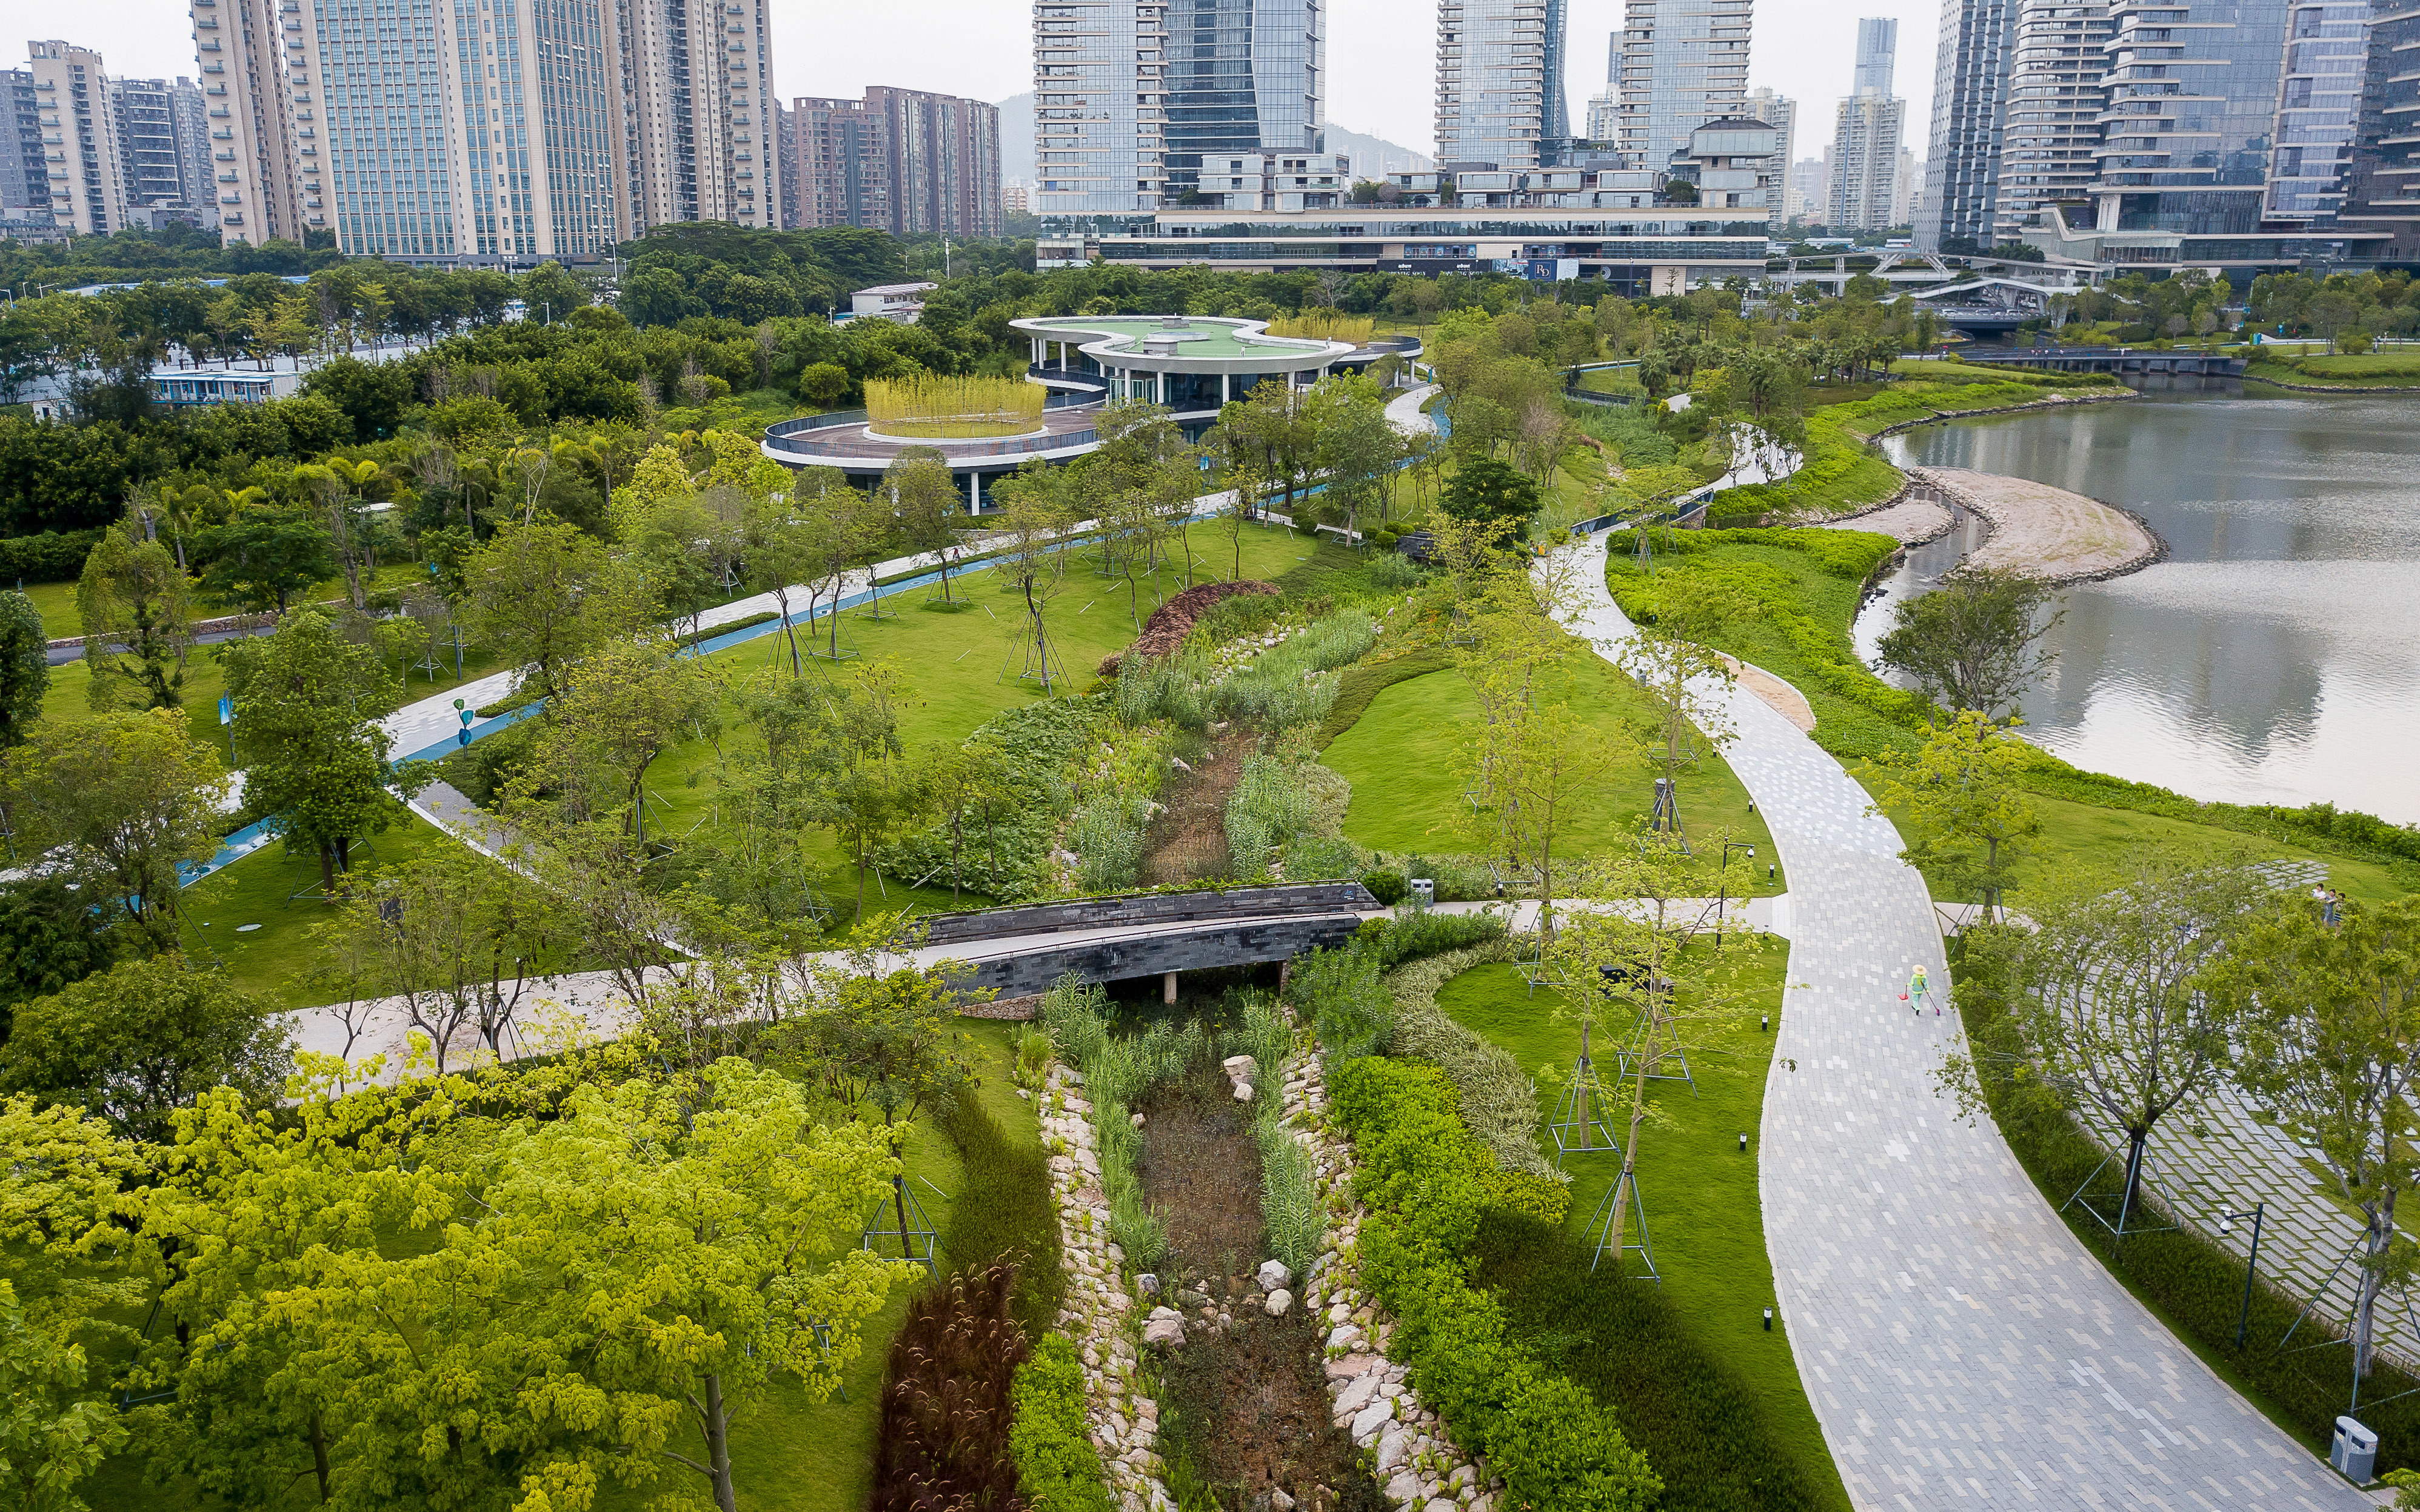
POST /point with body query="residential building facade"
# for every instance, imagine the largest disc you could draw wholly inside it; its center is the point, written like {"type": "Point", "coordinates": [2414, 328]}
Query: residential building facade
{"type": "Point", "coordinates": [2383, 187]}
{"type": "Point", "coordinates": [162, 145]}
{"type": "Point", "coordinates": [243, 47]}
{"type": "Point", "coordinates": [1677, 65]}
{"type": "Point", "coordinates": [1865, 164]}
{"type": "Point", "coordinates": [1877, 55]}
{"type": "Point", "coordinates": [2050, 138]}
{"type": "Point", "coordinates": [24, 169]}
{"type": "Point", "coordinates": [2319, 105]}
{"type": "Point", "coordinates": [1779, 112]}
{"type": "Point", "coordinates": [87, 183]}
{"type": "Point", "coordinates": [1500, 83]}
{"type": "Point", "coordinates": [899, 161]}
{"type": "Point", "coordinates": [1100, 107]}
{"type": "Point", "coordinates": [697, 112]}
{"type": "Point", "coordinates": [1974, 60]}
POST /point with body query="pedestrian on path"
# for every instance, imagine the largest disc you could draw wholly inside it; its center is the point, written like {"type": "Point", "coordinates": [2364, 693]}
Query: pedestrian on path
{"type": "Point", "coordinates": [1918, 991]}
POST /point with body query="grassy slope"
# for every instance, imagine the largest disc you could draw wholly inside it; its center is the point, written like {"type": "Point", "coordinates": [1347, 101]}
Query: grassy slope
{"type": "Point", "coordinates": [1702, 1205]}
{"type": "Point", "coordinates": [1408, 794]}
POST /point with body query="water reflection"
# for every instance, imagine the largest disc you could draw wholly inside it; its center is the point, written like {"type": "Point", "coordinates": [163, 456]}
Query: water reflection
{"type": "Point", "coordinates": [2275, 657]}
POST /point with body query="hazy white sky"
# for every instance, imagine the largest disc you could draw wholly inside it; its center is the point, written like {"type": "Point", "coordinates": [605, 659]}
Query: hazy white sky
{"type": "Point", "coordinates": [1380, 53]}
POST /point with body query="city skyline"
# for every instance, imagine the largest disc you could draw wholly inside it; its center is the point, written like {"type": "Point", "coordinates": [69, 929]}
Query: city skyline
{"type": "Point", "coordinates": [980, 50]}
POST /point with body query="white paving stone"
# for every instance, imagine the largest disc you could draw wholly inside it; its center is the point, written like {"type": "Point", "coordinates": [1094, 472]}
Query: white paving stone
{"type": "Point", "coordinates": [1959, 1347]}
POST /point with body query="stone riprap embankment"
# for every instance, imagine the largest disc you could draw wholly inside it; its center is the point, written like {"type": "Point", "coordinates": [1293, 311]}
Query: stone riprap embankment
{"type": "Point", "coordinates": [1119, 1411]}
{"type": "Point", "coordinates": [2053, 534]}
{"type": "Point", "coordinates": [1415, 1458]}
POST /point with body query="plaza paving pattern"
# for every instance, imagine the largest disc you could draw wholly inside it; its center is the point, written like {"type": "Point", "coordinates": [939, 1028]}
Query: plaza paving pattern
{"type": "Point", "coordinates": [1959, 1347]}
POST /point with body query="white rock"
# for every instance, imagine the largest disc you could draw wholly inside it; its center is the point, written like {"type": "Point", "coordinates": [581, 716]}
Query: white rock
{"type": "Point", "coordinates": [1392, 1451]}
{"type": "Point", "coordinates": [1367, 1422]}
{"type": "Point", "coordinates": [1243, 1091]}
{"type": "Point", "coordinates": [1463, 1476]}
{"type": "Point", "coordinates": [1356, 1396]}
{"type": "Point", "coordinates": [1442, 1505]}
{"type": "Point", "coordinates": [1241, 1069]}
{"type": "Point", "coordinates": [1169, 1332]}
{"type": "Point", "coordinates": [1280, 1502]}
{"type": "Point", "coordinates": [1278, 1302]}
{"type": "Point", "coordinates": [1343, 1336]}
{"type": "Point", "coordinates": [1273, 1275]}
{"type": "Point", "coordinates": [1136, 1119]}
{"type": "Point", "coordinates": [1404, 1489]}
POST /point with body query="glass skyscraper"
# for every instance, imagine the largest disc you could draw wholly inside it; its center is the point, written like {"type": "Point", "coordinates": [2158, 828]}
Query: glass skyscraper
{"type": "Point", "coordinates": [2190, 123]}
{"type": "Point", "coordinates": [1499, 81]}
{"type": "Point", "coordinates": [2383, 188]}
{"type": "Point", "coordinates": [2319, 101]}
{"type": "Point", "coordinates": [2051, 142]}
{"type": "Point", "coordinates": [1243, 76]}
{"type": "Point", "coordinates": [1975, 57]}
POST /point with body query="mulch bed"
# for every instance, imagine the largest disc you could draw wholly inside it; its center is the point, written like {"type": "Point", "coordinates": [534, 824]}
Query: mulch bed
{"type": "Point", "coordinates": [1172, 622]}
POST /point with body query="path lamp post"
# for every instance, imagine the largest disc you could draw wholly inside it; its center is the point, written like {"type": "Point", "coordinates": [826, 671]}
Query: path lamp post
{"type": "Point", "coordinates": [2226, 1221]}
{"type": "Point", "coordinates": [1722, 882]}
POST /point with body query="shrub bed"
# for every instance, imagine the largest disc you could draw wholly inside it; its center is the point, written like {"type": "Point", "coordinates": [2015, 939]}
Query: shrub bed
{"type": "Point", "coordinates": [50, 557]}
{"type": "Point", "coordinates": [1423, 1181]}
{"type": "Point", "coordinates": [1057, 1467]}
{"type": "Point", "coordinates": [1003, 1213]}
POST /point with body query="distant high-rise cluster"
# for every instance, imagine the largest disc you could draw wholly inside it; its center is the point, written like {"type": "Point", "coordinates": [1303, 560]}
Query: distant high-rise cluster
{"type": "Point", "coordinates": [100, 153]}
{"type": "Point", "coordinates": [899, 161]}
{"type": "Point", "coordinates": [2190, 132]}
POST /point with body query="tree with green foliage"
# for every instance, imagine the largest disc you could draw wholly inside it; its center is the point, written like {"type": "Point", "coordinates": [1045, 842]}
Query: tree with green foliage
{"type": "Point", "coordinates": [1487, 490]}
{"type": "Point", "coordinates": [265, 555]}
{"type": "Point", "coordinates": [51, 936]}
{"type": "Point", "coordinates": [58, 1431]}
{"type": "Point", "coordinates": [620, 707]}
{"type": "Point", "coordinates": [1962, 794]}
{"type": "Point", "coordinates": [1975, 642]}
{"type": "Point", "coordinates": [135, 1043]}
{"type": "Point", "coordinates": [124, 800]}
{"type": "Point", "coordinates": [926, 507]}
{"type": "Point", "coordinates": [307, 701]}
{"type": "Point", "coordinates": [2109, 1011]}
{"type": "Point", "coordinates": [2329, 1045]}
{"type": "Point", "coordinates": [24, 667]}
{"type": "Point", "coordinates": [543, 592]}
{"type": "Point", "coordinates": [137, 608]}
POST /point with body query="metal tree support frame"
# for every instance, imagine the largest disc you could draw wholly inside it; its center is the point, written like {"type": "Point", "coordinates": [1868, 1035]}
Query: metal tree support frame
{"type": "Point", "coordinates": [1666, 816]}
{"type": "Point", "coordinates": [906, 1226]}
{"type": "Point", "coordinates": [1577, 1129]}
{"type": "Point", "coordinates": [1603, 1226]}
{"type": "Point", "coordinates": [2122, 1225]}
{"type": "Point", "coordinates": [2351, 1253]}
{"type": "Point", "coordinates": [1640, 1045]}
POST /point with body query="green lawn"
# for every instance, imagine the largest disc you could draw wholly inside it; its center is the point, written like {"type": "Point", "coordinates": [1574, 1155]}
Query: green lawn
{"type": "Point", "coordinates": [1703, 1212]}
{"type": "Point", "coordinates": [2083, 835]}
{"type": "Point", "coordinates": [1408, 794]}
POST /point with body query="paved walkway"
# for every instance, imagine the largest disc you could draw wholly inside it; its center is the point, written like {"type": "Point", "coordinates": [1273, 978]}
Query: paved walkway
{"type": "Point", "coordinates": [1959, 1347]}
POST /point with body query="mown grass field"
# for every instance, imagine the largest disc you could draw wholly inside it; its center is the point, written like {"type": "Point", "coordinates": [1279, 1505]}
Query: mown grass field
{"type": "Point", "coordinates": [1404, 758]}
{"type": "Point", "coordinates": [1703, 1212]}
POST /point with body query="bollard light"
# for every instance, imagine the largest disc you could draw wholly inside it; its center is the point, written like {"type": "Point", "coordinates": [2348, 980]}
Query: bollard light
{"type": "Point", "coordinates": [1743, 1144]}
{"type": "Point", "coordinates": [1768, 870]}
{"type": "Point", "coordinates": [1768, 1022]}
{"type": "Point", "coordinates": [1768, 1320]}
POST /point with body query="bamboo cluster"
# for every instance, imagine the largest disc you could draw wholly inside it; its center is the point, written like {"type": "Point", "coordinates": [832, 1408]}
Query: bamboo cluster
{"type": "Point", "coordinates": [932, 405]}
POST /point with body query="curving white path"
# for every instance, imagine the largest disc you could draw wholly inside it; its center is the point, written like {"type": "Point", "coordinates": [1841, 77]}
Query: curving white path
{"type": "Point", "coordinates": [1959, 1347]}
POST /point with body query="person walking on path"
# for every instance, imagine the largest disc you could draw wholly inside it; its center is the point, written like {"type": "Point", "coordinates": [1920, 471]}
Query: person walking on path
{"type": "Point", "coordinates": [1918, 991]}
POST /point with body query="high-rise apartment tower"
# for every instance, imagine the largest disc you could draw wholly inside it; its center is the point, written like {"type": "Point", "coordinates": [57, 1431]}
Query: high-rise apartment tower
{"type": "Point", "coordinates": [1782, 113]}
{"type": "Point", "coordinates": [1100, 105]}
{"type": "Point", "coordinates": [899, 161]}
{"type": "Point", "coordinates": [87, 192]}
{"type": "Point", "coordinates": [1877, 55]}
{"type": "Point", "coordinates": [1500, 83]}
{"type": "Point", "coordinates": [2383, 187]}
{"type": "Point", "coordinates": [1865, 164]}
{"type": "Point", "coordinates": [1972, 65]}
{"type": "Point", "coordinates": [1677, 63]}
{"type": "Point", "coordinates": [2050, 138]}
{"type": "Point", "coordinates": [698, 114]}
{"type": "Point", "coordinates": [244, 47]}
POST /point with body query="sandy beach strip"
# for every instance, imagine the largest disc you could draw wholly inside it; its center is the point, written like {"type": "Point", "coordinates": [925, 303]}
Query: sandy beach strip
{"type": "Point", "coordinates": [2053, 534]}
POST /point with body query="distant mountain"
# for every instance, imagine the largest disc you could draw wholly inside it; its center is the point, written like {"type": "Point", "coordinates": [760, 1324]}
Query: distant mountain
{"type": "Point", "coordinates": [1371, 156]}
{"type": "Point", "coordinates": [1017, 139]}
{"type": "Point", "coordinates": [1374, 156]}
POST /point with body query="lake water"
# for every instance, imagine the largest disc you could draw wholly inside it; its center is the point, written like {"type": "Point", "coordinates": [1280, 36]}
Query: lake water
{"type": "Point", "coordinates": [2274, 657]}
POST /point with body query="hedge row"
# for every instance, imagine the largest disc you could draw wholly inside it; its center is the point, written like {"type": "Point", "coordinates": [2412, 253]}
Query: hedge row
{"type": "Point", "coordinates": [51, 557]}
{"type": "Point", "coordinates": [1057, 1467]}
{"type": "Point", "coordinates": [1424, 1182]}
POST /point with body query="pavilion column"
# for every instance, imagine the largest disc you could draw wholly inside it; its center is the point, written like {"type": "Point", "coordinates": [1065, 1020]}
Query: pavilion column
{"type": "Point", "coordinates": [974, 493]}
{"type": "Point", "coordinates": [1226, 394]}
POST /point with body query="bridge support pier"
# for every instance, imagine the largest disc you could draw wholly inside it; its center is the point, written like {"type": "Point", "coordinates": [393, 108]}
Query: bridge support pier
{"type": "Point", "coordinates": [1168, 987]}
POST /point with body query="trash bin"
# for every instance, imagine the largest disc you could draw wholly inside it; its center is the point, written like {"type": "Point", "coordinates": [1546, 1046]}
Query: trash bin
{"type": "Point", "coordinates": [1424, 892]}
{"type": "Point", "coordinates": [2354, 1452]}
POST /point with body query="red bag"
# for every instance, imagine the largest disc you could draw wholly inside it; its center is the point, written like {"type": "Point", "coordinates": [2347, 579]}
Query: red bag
{"type": "Point", "coordinates": [1903, 997]}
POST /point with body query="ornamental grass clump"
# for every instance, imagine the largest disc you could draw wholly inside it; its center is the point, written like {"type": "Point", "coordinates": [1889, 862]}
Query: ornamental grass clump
{"type": "Point", "coordinates": [939, 406]}
{"type": "Point", "coordinates": [943, 1442]}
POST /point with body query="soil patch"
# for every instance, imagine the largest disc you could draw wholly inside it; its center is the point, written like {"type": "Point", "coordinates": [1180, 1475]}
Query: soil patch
{"type": "Point", "coordinates": [1172, 622]}
{"type": "Point", "coordinates": [2059, 537]}
{"type": "Point", "coordinates": [1244, 1403]}
{"type": "Point", "coordinates": [1188, 841]}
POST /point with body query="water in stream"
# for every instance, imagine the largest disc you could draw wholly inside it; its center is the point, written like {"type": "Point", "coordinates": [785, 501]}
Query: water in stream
{"type": "Point", "coordinates": [2274, 657]}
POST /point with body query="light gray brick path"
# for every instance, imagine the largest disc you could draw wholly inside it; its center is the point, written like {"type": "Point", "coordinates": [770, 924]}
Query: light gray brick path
{"type": "Point", "coordinates": [1959, 1347]}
